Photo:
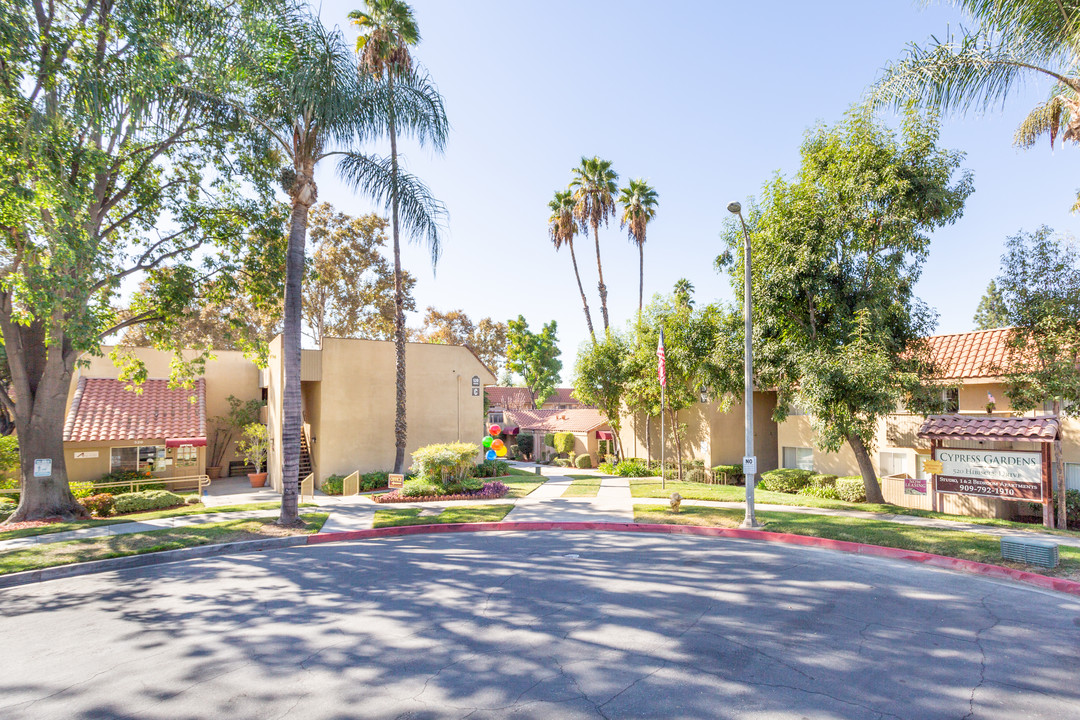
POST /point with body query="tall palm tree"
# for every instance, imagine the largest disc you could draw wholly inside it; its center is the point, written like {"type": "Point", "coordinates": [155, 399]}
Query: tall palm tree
{"type": "Point", "coordinates": [311, 104]}
{"type": "Point", "coordinates": [562, 228]}
{"type": "Point", "coordinates": [387, 30]}
{"type": "Point", "coordinates": [638, 203]}
{"type": "Point", "coordinates": [594, 191]}
{"type": "Point", "coordinates": [1012, 42]}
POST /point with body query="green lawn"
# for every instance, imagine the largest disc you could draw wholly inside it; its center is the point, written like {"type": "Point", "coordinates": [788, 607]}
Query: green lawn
{"type": "Point", "coordinates": [76, 551]}
{"type": "Point", "coordinates": [650, 488]}
{"type": "Point", "coordinates": [521, 482]}
{"type": "Point", "coordinates": [951, 543]}
{"type": "Point", "coordinates": [583, 486]}
{"type": "Point", "coordinates": [136, 517]}
{"type": "Point", "coordinates": [392, 517]}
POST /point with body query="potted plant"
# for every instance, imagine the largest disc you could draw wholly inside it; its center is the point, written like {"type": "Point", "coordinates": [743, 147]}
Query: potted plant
{"type": "Point", "coordinates": [253, 444]}
{"type": "Point", "coordinates": [223, 431]}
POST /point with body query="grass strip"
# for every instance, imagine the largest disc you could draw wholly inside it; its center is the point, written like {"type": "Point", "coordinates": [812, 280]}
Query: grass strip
{"type": "Point", "coordinates": [583, 486]}
{"type": "Point", "coordinates": [76, 551]}
{"type": "Point", "coordinates": [950, 543]}
{"type": "Point", "coordinates": [520, 487]}
{"type": "Point", "coordinates": [392, 517]}
{"type": "Point", "coordinates": [650, 488]}
{"type": "Point", "coordinates": [137, 517]}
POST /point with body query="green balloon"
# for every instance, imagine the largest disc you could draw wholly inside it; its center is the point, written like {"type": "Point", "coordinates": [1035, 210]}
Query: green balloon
{"type": "Point", "coordinates": [487, 441]}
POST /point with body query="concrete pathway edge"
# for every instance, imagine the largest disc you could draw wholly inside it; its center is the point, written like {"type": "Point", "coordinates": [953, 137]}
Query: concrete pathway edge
{"type": "Point", "coordinates": [154, 558]}
{"type": "Point", "coordinates": [1045, 582]}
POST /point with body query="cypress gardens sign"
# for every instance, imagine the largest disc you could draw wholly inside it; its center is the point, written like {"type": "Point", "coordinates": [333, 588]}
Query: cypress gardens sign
{"type": "Point", "coordinates": [1004, 474]}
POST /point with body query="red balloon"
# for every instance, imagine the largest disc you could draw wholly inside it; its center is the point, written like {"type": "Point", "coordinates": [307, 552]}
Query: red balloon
{"type": "Point", "coordinates": [494, 430]}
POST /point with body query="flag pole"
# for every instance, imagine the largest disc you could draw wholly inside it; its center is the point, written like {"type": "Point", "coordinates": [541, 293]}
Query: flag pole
{"type": "Point", "coordinates": [661, 374]}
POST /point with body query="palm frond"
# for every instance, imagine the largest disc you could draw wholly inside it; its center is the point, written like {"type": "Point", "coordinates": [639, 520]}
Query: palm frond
{"type": "Point", "coordinates": [421, 214]}
{"type": "Point", "coordinates": [418, 107]}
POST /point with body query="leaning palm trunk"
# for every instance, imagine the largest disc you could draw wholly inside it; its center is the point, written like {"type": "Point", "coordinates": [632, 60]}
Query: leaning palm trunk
{"type": "Point", "coordinates": [401, 427]}
{"type": "Point", "coordinates": [584, 300]}
{"type": "Point", "coordinates": [600, 271]}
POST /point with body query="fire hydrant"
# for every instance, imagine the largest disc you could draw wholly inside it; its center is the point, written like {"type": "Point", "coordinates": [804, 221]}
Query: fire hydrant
{"type": "Point", "coordinates": [676, 501]}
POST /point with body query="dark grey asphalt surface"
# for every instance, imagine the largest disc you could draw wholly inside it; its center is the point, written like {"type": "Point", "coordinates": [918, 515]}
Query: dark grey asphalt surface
{"type": "Point", "coordinates": [538, 625]}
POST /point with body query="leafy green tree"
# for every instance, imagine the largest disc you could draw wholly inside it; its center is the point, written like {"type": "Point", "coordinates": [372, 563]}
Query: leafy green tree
{"type": "Point", "coordinates": [119, 165]}
{"type": "Point", "coordinates": [562, 227]}
{"type": "Point", "coordinates": [387, 30]}
{"type": "Point", "coordinates": [991, 312]}
{"type": "Point", "coordinates": [1040, 293]}
{"type": "Point", "coordinates": [638, 202]}
{"type": "Point", "coordinates": [600, 375]}
{"type": "Point", "coordinates": [487, 338]}
{"type": "Point", "coordinates": [1010, 44]}
{"type": "Point", "coordinates": [535, 357]}
{"type": "Point", "coordinates": [836, 254]}
{"type": "Point", "coordinates": [594, 192]}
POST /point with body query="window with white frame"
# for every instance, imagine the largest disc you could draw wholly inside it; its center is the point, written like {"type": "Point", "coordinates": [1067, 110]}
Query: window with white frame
{"type": "Point", "coordinates": [798, 457]}
{"type": "Point", "coordinates": [892, 463]}
{"type": "Point", "coordinates": [141, 458]}
{"type": "Point", "coordinates": [951, 397]}
{"type": "Point", "coordinates": [1072, 476]}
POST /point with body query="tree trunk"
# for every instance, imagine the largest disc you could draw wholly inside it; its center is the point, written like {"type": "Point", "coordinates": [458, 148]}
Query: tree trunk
{"type": "Point", "coordinates": [873, 489]}
{"type": "Point", "coordinates": [292, 419]}
{"type": "Point", "coordinates": [675, 436]}
{"type": "Point", "coordinates": [1059, 470]}
{"type": "Point", "coordinates": [581, 289]}
{"type": "Point", "coordinates": [648, 438]}
{"type": "Point", "coordinates": [41, 377]}
{"type": "Point", "coordinates": [401, 427]}
{"type": "Point", "coordinates": [641, 279]}
{"type": "Point", "coordinates": [600, 272]}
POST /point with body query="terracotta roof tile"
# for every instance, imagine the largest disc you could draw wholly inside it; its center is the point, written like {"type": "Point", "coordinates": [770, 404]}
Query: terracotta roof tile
{"type": "Point", "coordinates": [574, 420]}
{"type": "Point", "coordinates": [1034, 429]}
{"type": "Point", "coordinates": [519, 397]}
{"type": "Point", "coordinates": [104, 409]}
{"type": "Point", "coordinates": [971, 355]}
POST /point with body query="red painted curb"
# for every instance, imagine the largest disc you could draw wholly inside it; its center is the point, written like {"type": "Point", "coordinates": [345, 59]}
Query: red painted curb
{"type": "Point", "coordinates": [1070, 587]}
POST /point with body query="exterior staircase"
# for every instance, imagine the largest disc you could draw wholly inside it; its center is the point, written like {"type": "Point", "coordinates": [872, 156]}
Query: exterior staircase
{"type": "Point", "coordinates": [305, 457]}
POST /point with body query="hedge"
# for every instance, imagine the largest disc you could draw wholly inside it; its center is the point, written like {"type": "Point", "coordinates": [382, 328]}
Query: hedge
{"type": "Point", "coordinates": [100, 505]}
{"type": "Point", "coordinates": [730, 473]}
{"type": "Point", "coordinates": [785, 480]}
{"type": "Point", "coordinates": [334, 485]}
{"type": "Point", "coordinates": [696, 475]}
{"type": "Point", "coordinates": [564, 442]}
{"type": "Point", "coordinates": [145, 500]}
{"type": "Point", "coordinates": [851, 489]}
{"type": "Point", "coordinates": [583, 462]}
{"type": "Point", "coordinates": [489, 491]}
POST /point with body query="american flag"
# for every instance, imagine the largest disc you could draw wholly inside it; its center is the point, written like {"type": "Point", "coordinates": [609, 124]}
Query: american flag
{"type": "Point", "coordinates": [661, 370]}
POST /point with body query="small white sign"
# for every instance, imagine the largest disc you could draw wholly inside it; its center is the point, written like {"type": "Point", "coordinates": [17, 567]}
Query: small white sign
{"type": "Point", "coordinates": [43, 467]}
{"type": "Point", "coordinates": [86, 454]}
{"type": "Point", "coordinates": [476, 392]}
{"type": "Point", "coordinates": [749, 465]}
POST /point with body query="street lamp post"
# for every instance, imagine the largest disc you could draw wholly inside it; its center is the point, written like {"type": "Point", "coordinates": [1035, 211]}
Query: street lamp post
{"type": "Point", "coordinates": [749, 461]}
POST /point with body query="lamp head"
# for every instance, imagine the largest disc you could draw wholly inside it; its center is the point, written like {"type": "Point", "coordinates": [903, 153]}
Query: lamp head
{"type": "Point", "coordinates": [734, 208]}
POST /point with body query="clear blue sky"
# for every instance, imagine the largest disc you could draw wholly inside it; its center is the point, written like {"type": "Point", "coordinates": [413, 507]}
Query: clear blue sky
{"type": "Point", "coordinates": [706, 101]}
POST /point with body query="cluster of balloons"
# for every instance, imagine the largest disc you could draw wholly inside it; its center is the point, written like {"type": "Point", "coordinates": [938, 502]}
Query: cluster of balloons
{"type": "Point", "coordinates": [496, 448]}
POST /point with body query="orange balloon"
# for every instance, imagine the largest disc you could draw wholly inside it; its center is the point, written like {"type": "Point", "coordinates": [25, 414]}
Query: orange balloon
{"type": "Point", "coordinates": [498, 445]}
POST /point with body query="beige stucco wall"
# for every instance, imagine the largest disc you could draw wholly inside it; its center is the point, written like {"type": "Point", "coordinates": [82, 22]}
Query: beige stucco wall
{"type": "Point", "coordinates": [228, 373]}
{"type": "Point", "coordinates": [351, 409]}
{"type": "Point", "coordinates": [712, 436]}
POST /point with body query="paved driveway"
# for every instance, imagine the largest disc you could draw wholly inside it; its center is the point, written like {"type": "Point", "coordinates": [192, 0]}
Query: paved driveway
{"type": "Point", "coordinates": [538, 625]}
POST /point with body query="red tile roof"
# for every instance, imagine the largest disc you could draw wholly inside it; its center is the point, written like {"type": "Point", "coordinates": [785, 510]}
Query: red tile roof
{"type": "Point", "coordinates": [971, 355]}
{"type": "Point", "coordinates": [104, 410]}
{"type": "Point", "coordinates": [577, 420]}
{"type": "Point", "coordinates": [519, 397]}
{"type": "Point", "coordinates": [1036, 429]}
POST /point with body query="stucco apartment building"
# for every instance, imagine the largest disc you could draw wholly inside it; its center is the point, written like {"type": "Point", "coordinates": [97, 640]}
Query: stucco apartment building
{"type": "Point", "coordinates": [348, 393]}
{"type": "Point", "coordinates": [967, 360]}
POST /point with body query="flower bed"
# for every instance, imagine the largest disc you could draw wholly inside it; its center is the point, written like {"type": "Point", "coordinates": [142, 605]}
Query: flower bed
{"type": "Point", "coordinates": [490, 491]}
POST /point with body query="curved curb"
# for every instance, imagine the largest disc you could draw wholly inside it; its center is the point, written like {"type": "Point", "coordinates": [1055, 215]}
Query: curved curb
{"type": "Point", "coordinates": [1070, 587]}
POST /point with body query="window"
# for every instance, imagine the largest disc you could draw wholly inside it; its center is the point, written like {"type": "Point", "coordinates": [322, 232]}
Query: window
{"type": "Point", "coordinates": [144, 458]}
{"type": "Point", "coordinates": [892, 463]}
{"type": "Point", "coordinates": [1072, 476]}
{"type": "Point", "coordinates": [801, 458]}
{"type": "Point", "coordinates": [495, 417]}
{"type": "Point", "coordinates": [951, 396]}
{"type": "Point", "coordinates": [187, 455]}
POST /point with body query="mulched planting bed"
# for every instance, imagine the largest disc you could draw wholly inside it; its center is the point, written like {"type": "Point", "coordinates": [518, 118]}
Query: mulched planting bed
{"type": "Point", "coordinates": [30, 524]}
{"type": "Point", "coordinates": [491, 491]}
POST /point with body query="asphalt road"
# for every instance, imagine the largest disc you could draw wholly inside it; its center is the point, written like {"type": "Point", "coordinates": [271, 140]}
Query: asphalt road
{"type": "Point", "coordinates": [538, 625]}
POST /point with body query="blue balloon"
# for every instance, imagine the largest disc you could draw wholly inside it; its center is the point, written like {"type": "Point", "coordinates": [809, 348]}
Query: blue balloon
{"type": "Point", "coordinates": [490, 455]}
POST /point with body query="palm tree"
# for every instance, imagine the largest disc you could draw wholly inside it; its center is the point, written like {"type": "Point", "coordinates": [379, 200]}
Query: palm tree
{"type": "Point", "coordinates": [1012, 42]}
{"type": "Point", "coordinates": [639, 208]}
{"type": "Point", "coordinates": [594, 191]}
{"type": "Point", "coordinates": [312, 104]}
{"type": "Point", "coordinates": [562, 227]}
{"type": "Point", "coordinates": [387, 29]}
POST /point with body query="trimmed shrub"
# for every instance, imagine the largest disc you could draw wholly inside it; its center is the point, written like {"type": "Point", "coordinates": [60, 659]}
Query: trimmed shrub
{"type": "Point", "coordinates": [192, 500]}
{"type": "Point", "coordinates": [607, 467]}
{"type": "Point", "coordinates": [492, 468]}
{"type": "Point", "coordinates": [145, 500]}
{"type": "Point", "coordinates": [445, 462]}
{"type": "Point", "coordinates": [525, 445]}
{"type": "Point", "coordinates": [489, 491]}
{"type": "Point", "coordinates": [825, 492]}
{"type": "Point", "coordinates": [633, 468]}
{"type": "Point", "coordinates": [7, 506]}
{"type": "Point", "coordinates": [821, 480]}
{"type": "Point", "coordinates": [125, 476]}
{"type": "Point", "coordinates": [334, 485]}
{"type": "Point", "coordinates": [564, 443]}
{"type": "Point", "coordinates": [561, 462]}
{"type": "Point", "coordinates": [729, 474]}
{"type": "Point", "coordinates": [584, 462]}
{"type": "Point", "coordinates": [785, 480]}
{"type": "Point", "coordinates": [420, 488]}
{"type": "Point", "coordinates": [851, 489]}
{"type": "Point", "coordinates": [81, 489]}
{"type": "Point", "coordinates": [696, 474]}
{"type": "Point", "coordinates": [100, 505]}
{"type": "Point", "coordinates": [468, 485]}
{"type": "Point", "coordinates": [374, 480]}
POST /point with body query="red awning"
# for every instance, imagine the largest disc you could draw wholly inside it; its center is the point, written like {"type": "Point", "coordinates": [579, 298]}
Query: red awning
{"type": "Point", "coordinates": [180, 442]}
{"type": "Point", "coordinates": [605, 435]}
{"type": "Point", "coordinates": [511, 430]}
